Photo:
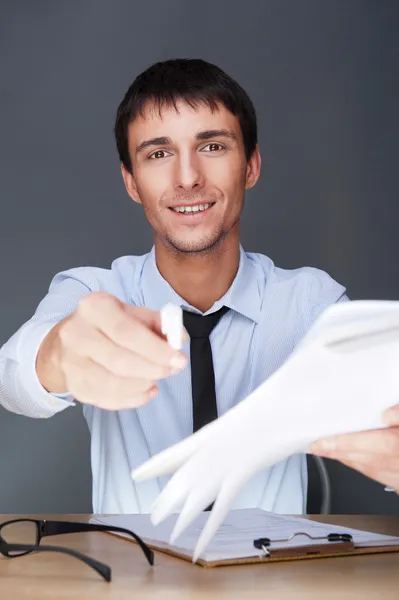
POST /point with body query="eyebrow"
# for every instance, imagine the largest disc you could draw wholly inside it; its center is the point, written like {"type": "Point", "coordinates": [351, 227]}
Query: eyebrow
{"type": "Point", "coordinates": [201, 136]}
{"type": "Point", "coordinates": [213, 133]}
{"type": "Point", "coordinates": [158, 141]}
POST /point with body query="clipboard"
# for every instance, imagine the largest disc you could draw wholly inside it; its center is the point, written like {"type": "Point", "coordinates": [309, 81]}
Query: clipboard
{"type": "Point", "coordinates": [334, 545]}
{"type": "Point", "coordinates": [300, 545]}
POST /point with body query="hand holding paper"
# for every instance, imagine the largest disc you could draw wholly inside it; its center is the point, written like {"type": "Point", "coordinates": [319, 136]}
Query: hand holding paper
{"type": "Point", "coordinates": [373, 453]}
{"type": "Point", "coordinates": [339, 379]}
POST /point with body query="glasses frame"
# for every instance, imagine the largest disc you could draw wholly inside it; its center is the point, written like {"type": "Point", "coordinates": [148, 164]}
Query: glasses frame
{"type": "Point", "coordinates": [45, 528]}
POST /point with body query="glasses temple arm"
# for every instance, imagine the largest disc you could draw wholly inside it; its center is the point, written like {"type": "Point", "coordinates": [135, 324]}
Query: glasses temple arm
{"type": "Point", "coordinates": [101, 568]}
{"type": "Point", "coordinates": [60, 527]}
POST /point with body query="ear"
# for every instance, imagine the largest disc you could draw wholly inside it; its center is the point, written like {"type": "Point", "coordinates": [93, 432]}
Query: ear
{"type": "Point", "coordinates": [130, 184]}
{"type": "Point", "coordinates": [253, 169]}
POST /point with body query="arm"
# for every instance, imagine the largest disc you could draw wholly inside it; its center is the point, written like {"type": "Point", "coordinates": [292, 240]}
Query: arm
{"type": "Point", "coordinates": [93, 346]}
{"type": "Point", "coordinates": [21, 390]}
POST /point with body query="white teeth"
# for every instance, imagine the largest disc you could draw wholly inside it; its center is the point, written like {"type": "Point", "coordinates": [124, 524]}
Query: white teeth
{"type": "Point", "coordinates": [189, 209]}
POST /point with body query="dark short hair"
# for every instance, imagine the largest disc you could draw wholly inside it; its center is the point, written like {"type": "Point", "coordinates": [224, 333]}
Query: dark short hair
{"type": "Point", "coordinates": [194, 81]}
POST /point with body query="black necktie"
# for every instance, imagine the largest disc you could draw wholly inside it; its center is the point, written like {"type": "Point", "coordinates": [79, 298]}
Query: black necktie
{"type": "Point", "coordinates": [199, 328]}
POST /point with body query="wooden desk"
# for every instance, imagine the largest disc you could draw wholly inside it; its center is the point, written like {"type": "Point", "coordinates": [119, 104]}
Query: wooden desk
{"type": "Point", "coordinates": [52, 576]}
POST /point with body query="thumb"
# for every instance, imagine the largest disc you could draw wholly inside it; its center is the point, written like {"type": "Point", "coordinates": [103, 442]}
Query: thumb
{"type": "Point", "coordinates": [150, 318]}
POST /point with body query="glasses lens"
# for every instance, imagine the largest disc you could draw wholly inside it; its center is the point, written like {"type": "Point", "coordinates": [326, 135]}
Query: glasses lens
{"type": "Point", "coordinates": [21, 532]}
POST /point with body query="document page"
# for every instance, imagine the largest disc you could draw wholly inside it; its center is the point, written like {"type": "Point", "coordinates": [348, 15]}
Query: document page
{"type": "Point", "coordinates": [234, 539]}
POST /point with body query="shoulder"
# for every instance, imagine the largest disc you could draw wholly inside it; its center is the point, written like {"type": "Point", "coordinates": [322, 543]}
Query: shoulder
{"type": "Point", "coordinates": [310, 288]}
{"type": "Point", "coordinates": [118, 279]}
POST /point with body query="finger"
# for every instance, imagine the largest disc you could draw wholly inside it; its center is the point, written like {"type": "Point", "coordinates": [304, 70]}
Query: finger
{"type": "Point", "coordinates": [391, 416]}
{"type": "Point", "coordinates": [134, 333]}
{"type": "Point", "coordinates": [369, 461]}
{"type": "Point", "coordinates": [150, 318]}
{"type": "Point", "coordinates": [90, 383]}
{"type": "Point", "coordinates": [220, 509]}
{"type": "Point", "coordinates": [117, 360]}
{"type": "Point", "coordinates": [200, 497]}
{"type": "Point", "coordinates": [380, 441]}
{"type": "Point", "coordinates": [172, 458]}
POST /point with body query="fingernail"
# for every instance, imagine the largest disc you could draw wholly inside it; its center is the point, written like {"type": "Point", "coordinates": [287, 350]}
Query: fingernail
{"type": "Point", "coordinates": [153, 392]}
{"type": "Point", "coordinates": [178, 361]}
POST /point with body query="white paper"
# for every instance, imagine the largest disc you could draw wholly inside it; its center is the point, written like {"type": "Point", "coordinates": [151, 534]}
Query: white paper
{"type": "Point", "coordinates": [235, 537]}
{"type": "Point", "coordinates": [172, 325]}
{"type": "Point", "coordinates": [339, 379]}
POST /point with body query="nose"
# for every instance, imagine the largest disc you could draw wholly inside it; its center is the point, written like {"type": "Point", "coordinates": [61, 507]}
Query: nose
{"type": "Point", "coordinates": [188, 173]}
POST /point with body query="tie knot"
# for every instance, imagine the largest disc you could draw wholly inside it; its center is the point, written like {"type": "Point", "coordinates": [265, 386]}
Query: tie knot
{"type": "Point", "coordinates": [200, 326]}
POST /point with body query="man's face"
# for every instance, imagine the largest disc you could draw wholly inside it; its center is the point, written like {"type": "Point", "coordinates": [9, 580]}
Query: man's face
{"type": "Point", "coordinates": [189, 173]}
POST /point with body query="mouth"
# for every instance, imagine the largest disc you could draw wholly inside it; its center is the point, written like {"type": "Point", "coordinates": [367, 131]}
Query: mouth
{"type": "Point", "coordinates": [194, 210]}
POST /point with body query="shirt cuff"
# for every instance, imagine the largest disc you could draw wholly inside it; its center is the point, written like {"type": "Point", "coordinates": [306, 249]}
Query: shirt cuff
{"type": "Point", "coordinates": [48, 402]}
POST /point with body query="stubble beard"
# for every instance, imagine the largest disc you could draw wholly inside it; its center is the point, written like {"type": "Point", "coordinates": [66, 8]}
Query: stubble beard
{"type": "Point", "coordinates": [206, 244]}
{"type": "Point", "coordinates": [203, 245]}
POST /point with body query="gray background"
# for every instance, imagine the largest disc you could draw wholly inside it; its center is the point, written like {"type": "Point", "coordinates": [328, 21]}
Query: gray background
{"type": "Point", "coordinates": [324, 78]}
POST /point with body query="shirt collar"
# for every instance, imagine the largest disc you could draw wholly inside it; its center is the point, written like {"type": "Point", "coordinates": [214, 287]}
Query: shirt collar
{"type": "Point", "coordinates": [243, 296]}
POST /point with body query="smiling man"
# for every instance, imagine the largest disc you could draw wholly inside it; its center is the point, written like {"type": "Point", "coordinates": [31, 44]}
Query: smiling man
{"type": "Point", "coordinates": [186, 135]}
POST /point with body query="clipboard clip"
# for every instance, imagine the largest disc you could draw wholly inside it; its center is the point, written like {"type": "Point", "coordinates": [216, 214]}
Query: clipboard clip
{"type": "Point", "coordinates": [334, 542]}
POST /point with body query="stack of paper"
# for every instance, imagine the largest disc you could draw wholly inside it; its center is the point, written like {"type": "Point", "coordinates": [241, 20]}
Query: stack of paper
{"type": "Point", "coordinates": [235, 537]}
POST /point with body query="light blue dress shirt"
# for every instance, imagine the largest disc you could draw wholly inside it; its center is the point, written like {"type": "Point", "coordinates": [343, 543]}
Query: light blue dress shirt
{"type": "Point", "coordinates": [271, 310]}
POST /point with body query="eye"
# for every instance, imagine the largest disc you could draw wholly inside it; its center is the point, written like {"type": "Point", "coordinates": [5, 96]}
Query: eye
{"type": "Point", "coordinates": [214, 147]}
{"type": "Point", "coordinates": [159, 154]}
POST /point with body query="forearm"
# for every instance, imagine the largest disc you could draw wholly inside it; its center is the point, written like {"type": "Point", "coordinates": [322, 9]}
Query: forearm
{"type": "Point", "coordinates": [48, 368]}
{"type": "Point", "coordinates": [29, 364]}
{"type": "Point", "coordinates": [21, 391]}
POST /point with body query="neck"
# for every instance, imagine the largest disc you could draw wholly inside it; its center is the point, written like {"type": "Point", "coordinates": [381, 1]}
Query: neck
{"type": "Point", "coordinates": [200, 279]}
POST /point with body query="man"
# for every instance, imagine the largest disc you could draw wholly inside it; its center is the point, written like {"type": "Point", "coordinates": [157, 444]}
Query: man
{"type": "Point", "coordinates": [187, 141]}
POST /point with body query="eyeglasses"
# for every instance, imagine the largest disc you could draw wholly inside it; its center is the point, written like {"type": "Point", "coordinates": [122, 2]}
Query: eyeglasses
{"type": "Point", "coordinates": [31, 531]}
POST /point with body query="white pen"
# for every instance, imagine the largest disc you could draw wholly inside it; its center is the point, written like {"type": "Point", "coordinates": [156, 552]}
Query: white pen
{"type": "Point", "coordinates": [172, 325]}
